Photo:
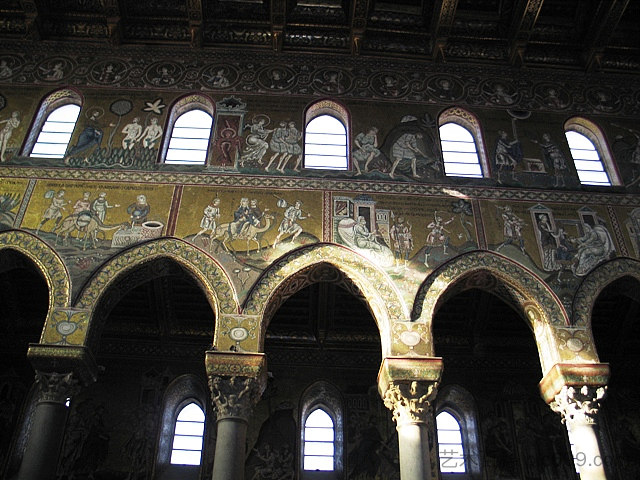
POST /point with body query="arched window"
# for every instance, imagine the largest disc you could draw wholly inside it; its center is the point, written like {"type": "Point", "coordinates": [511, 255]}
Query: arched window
{"type": "Point", "coordinates": [590, 154]}
{"type": "Point", "coordinates": [183, 430]}
{"type": "Point", "coordinates": [461, 143]}
{"type": "Point", "coordinates": [322, 432]}
{"type": "Point", "coordinates": [325, 137]}
{"type": "Point", "coordinates": [319, 438]}
{"type": "Point", "coordinates": [458, 434]}
{"type": "Point", "coordinates": [450, 446]}
{"type": "Point", "coordinates": [187, 436]}
{"type": "Point", "coordinates": [189, 131]}
{"type": "Point", "coordinates": [189, 141]}
{"type": "Point", "coordinates": [53, 126]}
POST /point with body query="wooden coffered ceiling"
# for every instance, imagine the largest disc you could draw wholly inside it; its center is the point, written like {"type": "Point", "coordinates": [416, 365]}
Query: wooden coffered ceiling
{"type": "Point", "coordinates": [584, 34]}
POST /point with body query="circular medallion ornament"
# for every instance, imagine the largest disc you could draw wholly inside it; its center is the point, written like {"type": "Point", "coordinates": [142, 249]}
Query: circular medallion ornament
{"type": "Point", "coordinates": [409, 338]}
{"type": "Point", "coordinates": [66, 328]}
{"type": "Point", "coordinates": [332, 81]}
{"type": "Point", "coordinates": [54, 69]}
{"type": "Point", "coordinates": [575, 345]}
{"type": "Point", "coordinates": [218, 76]}
{"type": "Point", "coordinates": [109, 72]}
{"type": "Point", "coordinates": [164, 74]}
{"type": "Point", "coordinates": [276, 78]}
{"type": "Point", "coordinates": [10, 65]}
{"type": "Point", "coordinates": [238, 334]}
{"type": "Point", "coordinates": [444, 88]}
{"type": "Point", "coordinates": [389, 84]}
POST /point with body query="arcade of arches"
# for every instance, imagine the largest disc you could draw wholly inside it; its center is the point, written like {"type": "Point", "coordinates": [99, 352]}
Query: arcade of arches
{"type": "Point", "coordinates": [192, 300]}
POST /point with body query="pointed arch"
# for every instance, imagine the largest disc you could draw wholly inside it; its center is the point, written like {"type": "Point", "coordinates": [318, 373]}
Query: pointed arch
{"type": "Point", "coordinates": [515, 284]}
{"type": "Point", "coordinates": [46, 260]}
{"type": "Point", "coordinates": [52, 102]}
{"type": "Point", "coordinates": [212, 278]}
{"type": "Point", "coordinates": [461, 118]}
{"type": "Point", "coordinates": [385, 302]}
{"type": "Point", "coordinates": [595, 282]}
{"type": "Point", "coordinates": [204, 110]}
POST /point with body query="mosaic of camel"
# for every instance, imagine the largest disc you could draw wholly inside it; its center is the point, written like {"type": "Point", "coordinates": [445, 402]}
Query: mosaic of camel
{"type": "Point", "coordinates": [228, 232]}
{"type": "Point", "coordinates": [87, 226]}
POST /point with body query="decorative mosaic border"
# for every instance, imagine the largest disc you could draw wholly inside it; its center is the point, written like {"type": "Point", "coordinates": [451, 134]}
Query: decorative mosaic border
{"type": "Point", "coordinates": [595, 282]}
{"type": "Point", "coordinates": [385, 301]}
{"type": "Point", "coordinates": [47, 261]}
{"type": "Point", "coordinates": [302, 183]}
{"type": "Point", "coordinates": [218, 287]}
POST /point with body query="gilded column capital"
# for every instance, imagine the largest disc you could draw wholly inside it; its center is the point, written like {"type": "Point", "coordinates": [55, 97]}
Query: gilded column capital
{"type": "Point", "coordinates": [574, 375]}
{"type": "Point", "coordinates": [410, 402]}
{"type": "Point", "coordinates": [64, 358]}
{"type": "Point", "coordinates": [408, 385]}
{"type": "Point", "coordinates": [236, 381]}
{"type": "Point", "coordinates": [55, 387]}
{"type": "Point", "coordinates": [235, 397]}
{"type": "Point", "coordinates": [578, 405]}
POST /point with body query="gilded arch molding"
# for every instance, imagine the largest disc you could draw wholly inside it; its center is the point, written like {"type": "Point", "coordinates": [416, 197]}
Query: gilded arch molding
{"type": "Point", "coordinates": [218, 287]}
{"type": "Point", "coordinates": [541, 307]}
{"type": "Point", "coordinates": [595, 282]}
{"type": "Point", "coordinates": [46, 259]}
{"type": "Point", "coordinates": [383, 298]}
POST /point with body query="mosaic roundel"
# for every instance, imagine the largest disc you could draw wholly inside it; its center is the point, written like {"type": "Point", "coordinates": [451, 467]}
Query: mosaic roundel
{"type": "Point", "coordinates": [109, 72]}
{"type": "Point", "coordinates": [445, 88]}
{"type": "Point", "coordinates": [388, 84]}
{"type": "Point", "coordinates": [499, 92]}
{"type": "Point", "coordinates": [10, 66]}
{"type": "Point", "coordinates": [603, 99]}
{"type": "Point", "coordinates": [218, 76]}
{"type": "Point", "coordinates": [54, 69]}
{"type": "Point", "coordinates": [332, 81]}
{"type": "Point", "coordinates": [276, 78]}
{"type": "Point", "coordinates": [552, 96]}
{"type": "Point", "coordinates": [164, 74]}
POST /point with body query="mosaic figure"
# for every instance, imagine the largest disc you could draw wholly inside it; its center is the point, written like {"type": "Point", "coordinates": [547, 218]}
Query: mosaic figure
{"type": "Point", "coordinates": [511, 229]}
{"type": "Point", "coordinates": [132, 132]}
{"type": "Point", "coordinates": [289, 224]}
{"type": "Point", "coordinates": [256, 144]}
{"type": "Point", "coordinates": [54, 210]}
{"type": "Point", "coordinates": [366, 149]}
{"type": "Point", "coordinates": [210, 217]}
{"type": "Point", "coordinates": [554, 157]}
{"type": "Point", "coordinates": [406, 148]}
{"type": "Point", "coordinates": [5, 134]}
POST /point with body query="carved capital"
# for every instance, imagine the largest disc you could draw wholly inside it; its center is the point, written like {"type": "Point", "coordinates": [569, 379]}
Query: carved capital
{"type": "Point", "coordinates": [55, 387]}
{"type": "Point", "coordinates": [578, 406]}
{"type": "Point", "coordinates": [410, 402]}
{"type": "Point", "coordinates": [235, 397]}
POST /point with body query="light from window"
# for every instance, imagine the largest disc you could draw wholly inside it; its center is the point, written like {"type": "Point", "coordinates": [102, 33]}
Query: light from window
{"type": "Point", "coordinates": [56, 132]}
{"type": "Point", "coordinates": [587, 160]}
{"type": "Point", "coordinates": [459, 151]}
{"type": "Point", "coordinates": [190, 138]}
{"type": "Point", "coordinates": [318, 441]}
{"type": "Point", "coordinates": [187, 438]}
{"type": "Point", "coordinates": [325, 144]}
{"type": "Point", "coordinates": [450, 450]}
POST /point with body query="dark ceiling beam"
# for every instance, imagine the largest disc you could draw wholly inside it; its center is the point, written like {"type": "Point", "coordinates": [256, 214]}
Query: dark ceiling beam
{"type": "Point", "coordinates": [444, 12]}
{"type": "Point", "coordinates": [604, 22]}
{"type": "Point", "coordinates": [359, 15]}
{"type": "Point", "coordinates": [523, 22]}
{"type": "Point", "coordinates": [114, 22]}
{"type": "Point", "coordinates": [32, 18]}
{"type": "Point", "coordinates": [278, 20]}
{"type": "Point", "coordinates": [194, 12]}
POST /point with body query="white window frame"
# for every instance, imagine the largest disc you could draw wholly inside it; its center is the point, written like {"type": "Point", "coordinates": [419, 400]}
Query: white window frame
{"type": "Point", "coordinates": [48, 105]}
{"type": "Point", "coordinates": [462, 147]}
{"type": "Point", "coordinates": [179, 108]}
{"type": "Point", "coordinates": [469, 122]}
{"type": "Point", "coordinates": [340, 113]}
{"type": "Point", "coordinates": [594, 134]}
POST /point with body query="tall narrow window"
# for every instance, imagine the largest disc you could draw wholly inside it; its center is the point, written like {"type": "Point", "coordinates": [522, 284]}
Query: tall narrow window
{"type": "Point", "coordinates": [187, 436]}
{"type": "Point", "coordinates": [319, 438]}
{"type": "Point", "coordinates": [590, 153]}
{"type": "Point", "coordinates": [587, 160]}
{"type": "Point", "coordinates": [56, 131]}
{"type": "Point", "coordinates": [459, 151]}
{"type": "Point", "coordinates": [450, 448]}
{"type": "Point", "coordinates": [325, 144]}
{"type": "Point", "coordinates": [189, 141]}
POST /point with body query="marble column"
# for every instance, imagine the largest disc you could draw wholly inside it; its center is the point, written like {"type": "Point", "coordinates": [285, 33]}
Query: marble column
{"type": "Point", "coordinates": [61, 370]}
{"type": "Point", "coordinates": [46, 432]}
{"type": "Point", "coordinates": [237, 381]}
{"type": "Point", "coordinates": [575, 392]}
{"type": "Point", "coordinates": [408, 386]}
